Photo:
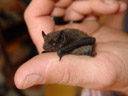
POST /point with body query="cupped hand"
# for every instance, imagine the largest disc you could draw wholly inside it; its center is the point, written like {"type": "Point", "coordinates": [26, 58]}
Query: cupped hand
{"type": "Point", "coordinates": [38, 14]}
{"type": "Point", "coordinates": [106, 71]}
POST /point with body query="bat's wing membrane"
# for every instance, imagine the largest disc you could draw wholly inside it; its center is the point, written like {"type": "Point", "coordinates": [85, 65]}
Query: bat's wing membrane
{"type": "Point", "coordinates": [81, 42]}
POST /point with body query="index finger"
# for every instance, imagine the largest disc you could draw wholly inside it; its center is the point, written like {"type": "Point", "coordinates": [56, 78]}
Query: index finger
{"type": "Point", "coordinates": [37, 17]}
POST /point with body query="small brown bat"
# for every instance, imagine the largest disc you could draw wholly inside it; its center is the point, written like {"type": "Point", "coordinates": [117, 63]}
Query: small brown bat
{"type": "Point", "coordinates": [69, 41]}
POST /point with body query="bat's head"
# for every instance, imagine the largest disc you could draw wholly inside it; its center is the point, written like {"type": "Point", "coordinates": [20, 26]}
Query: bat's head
{"type": "Point", "coordinates": [54, 41]}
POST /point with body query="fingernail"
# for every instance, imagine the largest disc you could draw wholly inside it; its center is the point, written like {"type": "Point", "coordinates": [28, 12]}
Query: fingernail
{"type": "Point", "coordinates": [110, 2]}
{"type": "Point", "coordinates": [33, 79]}
{"type": "Point", "coordinates": [123, 5]}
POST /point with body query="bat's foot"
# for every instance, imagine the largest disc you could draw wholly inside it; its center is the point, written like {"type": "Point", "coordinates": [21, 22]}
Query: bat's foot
{"type": "Point", "coordinates": [93, 54]}
{"type": "Point", "coordinates": [90, 51]}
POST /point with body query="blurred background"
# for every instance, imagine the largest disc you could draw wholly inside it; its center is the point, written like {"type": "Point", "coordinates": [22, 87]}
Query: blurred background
{"type": "Point", "coordinates": [16, 47]}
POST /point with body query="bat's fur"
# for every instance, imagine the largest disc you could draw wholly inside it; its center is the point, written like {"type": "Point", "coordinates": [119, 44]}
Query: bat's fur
{"type": "Point", "coordinates": [62, 41]}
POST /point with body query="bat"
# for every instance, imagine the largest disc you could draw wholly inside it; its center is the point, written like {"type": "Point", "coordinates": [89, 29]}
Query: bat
{"type": "Point", "coordinates": [69, 41]}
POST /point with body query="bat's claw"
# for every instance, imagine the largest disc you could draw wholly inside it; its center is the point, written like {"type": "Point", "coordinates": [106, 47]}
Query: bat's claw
{"type": "Point", "coordinates": [60, 58]}
{"type": "Point", "coordinates": [59, 53]}
{"type": "Point", "coordinates": [93, 54]}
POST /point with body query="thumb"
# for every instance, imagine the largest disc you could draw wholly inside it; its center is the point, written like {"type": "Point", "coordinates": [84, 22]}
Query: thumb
{"type": "Point", "coordinates": [71, 70]}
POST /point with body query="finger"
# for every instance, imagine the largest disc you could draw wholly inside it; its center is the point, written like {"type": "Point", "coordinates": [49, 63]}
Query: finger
{"type": "Point", "coordinates": [60, 7]}
{"type": "Point", "coordinates": [99, 7]}
{"type": "Point", "coordinates": [71, 70]}
{"type": "Point", "coordinates": [57, 10]}
{"type": "Point", "coordinates": [116, 21]}
{"type": "Point", "coordinates": [63, 3]}
{"type": "Point", "coordinates": [38, 19]}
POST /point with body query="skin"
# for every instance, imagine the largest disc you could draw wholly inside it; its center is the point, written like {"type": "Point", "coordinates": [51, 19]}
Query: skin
{"type": "Point", "coordinates": [110, 64]}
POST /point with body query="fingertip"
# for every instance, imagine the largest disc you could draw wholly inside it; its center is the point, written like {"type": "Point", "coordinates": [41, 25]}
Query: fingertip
{"type": "Point", "coordinates": [123, 6]}
{"type": "Point", "coordinates": [33, 71]}
{"type": "Point", "coordinates": [116, 6]}
{"type": "Point", "coordinates": [22, 73]}
{"type": "Point", "coordinates": [28, 80]}
{"type": "Point", "coordinates": [105, 8]}
{"type": "Point", "coordinates": [18, 79]}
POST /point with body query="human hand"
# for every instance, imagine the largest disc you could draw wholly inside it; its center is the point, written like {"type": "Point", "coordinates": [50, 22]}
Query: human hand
{"type": "Point", "coordinates": [38, 14]}
{"type": "Point", "coordinates": [108, 65]}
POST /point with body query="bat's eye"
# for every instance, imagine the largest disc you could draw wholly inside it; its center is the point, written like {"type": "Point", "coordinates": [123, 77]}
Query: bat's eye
{"type": "Point", "coordinates": [54, 44]}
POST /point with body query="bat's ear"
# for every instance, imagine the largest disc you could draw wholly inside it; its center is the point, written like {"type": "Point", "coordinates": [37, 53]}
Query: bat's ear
{"type": "Point", "coordinates": [61, 37]}
{"type": "Point", "coordinates": [43, 34]}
